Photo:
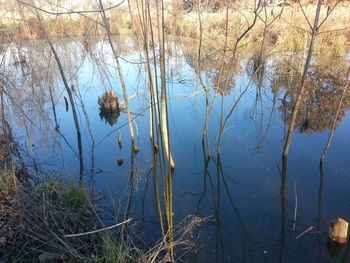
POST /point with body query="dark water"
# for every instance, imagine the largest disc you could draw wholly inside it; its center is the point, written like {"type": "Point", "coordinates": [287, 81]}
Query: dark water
{"type": "Point", "coordinates": [247, 197]}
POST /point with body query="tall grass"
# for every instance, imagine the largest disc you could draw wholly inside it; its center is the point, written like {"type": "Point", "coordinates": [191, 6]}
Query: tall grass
{"type": "Point", "coordinates": [39, 217]}
{"type": "Point", "coordinates": [335, 33]}
{"type": "Point", "coordinates": [289, 32]}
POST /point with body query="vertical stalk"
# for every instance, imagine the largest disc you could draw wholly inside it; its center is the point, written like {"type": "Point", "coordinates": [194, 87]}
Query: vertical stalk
{"type": "Point", "coordinates": [69, 92]}
{"type": "Point", "coordinates": [336, 117]}
{"type": "Point", "coordinates": [119, 69]}
{"type": "Point", "coordinates": [164, 126]}
{"type": "Point", "coordinates": [154, 110]}
{"type": "Point", "coordinates": [163, 98]}
{"type": "Point", "coordinates": [283, 208]}
{"type": "Point", "coordinates": [303, 78]}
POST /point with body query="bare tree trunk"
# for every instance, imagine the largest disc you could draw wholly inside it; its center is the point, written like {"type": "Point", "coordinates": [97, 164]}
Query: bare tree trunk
{"type": "Point", "coordinates": [283, 209]}
{"type": "Point", "coordinates": [230, 65]}
{"type": "Point", "coordinates": [119, 69]}
{"type": "Point", "coordinates": [336, 117]}
{"type": "Point", "coordinates": [303, 78]}
{"type": "Point", "coordinates": [163, 98]}
{"type": "Point", "coordinates": [154, 109]}
{"type": "Point", "coordinates": [69, 92]}
{"type": "Point", "coordinates": [164, 127]}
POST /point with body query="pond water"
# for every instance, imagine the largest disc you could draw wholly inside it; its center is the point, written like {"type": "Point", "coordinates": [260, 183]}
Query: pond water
{"type": "Point", "coordinates": [248, 198]}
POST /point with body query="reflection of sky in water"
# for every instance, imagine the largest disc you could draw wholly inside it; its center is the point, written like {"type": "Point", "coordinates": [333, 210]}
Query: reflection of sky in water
{"type": "Point", "coordinates": [251, 159]}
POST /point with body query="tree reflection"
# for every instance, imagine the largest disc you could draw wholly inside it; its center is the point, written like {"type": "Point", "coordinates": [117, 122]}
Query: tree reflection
{"type": "Point", "coordinates": [219, 72]}
{"type": "Point", "coordinates": [110, 117]}
{"type": "Point", "coordinates": [320, 100]}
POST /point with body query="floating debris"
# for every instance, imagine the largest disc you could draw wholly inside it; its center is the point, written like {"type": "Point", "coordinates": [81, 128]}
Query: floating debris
{"type": "Point", "coordinates": [120, 161]}
{"type": "Point", "coordinates": [66, 103]}
{"type": "Point", "coordinates": [120, 140]}
{"type": "Point", "coordinates": [136, 149]}
{"type": "Point", "coordinates": [156, 148]}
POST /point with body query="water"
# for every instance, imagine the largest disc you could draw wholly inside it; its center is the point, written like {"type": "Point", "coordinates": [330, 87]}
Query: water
{"type": "Point", "coordinates": [247, 198]}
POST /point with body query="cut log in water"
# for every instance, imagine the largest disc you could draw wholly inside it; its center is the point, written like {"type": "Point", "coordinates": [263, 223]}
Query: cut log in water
{"type": "Point", "coordinates": [99, 101]}
{"type": "Point", "coordinates": [108, 102]}
{"type": "Point", "coordinates": [338, 231]}
{"type": "Point", "coordinates": [114, 106]}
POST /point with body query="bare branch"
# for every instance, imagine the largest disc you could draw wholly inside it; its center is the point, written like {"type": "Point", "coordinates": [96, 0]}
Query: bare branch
{"type": "Point", "coordinates": [297, 27]}
{"type": "Point", "coordinates": [99, 230]}
{"type": "Point", "coordinates": [302, 10]}
{"type": "Point", "coordinates": [70, 12]}
{"type": "Point", "coordinates": [329, 12]}
{"type": "Point", "coordinates": [334, 30]}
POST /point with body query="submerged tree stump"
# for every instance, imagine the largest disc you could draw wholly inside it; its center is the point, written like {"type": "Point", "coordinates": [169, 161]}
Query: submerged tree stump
{"type": "Point", "coordinates": [108, 102]}
{"type": "Point", "coordinates": [338, 231]}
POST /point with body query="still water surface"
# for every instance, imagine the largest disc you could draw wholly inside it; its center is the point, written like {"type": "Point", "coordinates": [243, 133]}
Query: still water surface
{"type": "Point", "coordinates": [247, 197]}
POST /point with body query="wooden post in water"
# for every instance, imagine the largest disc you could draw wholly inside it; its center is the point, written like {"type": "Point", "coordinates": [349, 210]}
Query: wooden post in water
{"type": "Point", "coordinates": [338, 231]}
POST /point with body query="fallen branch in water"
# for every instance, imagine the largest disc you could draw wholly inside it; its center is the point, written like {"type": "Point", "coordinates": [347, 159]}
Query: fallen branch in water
{"type": "Point", "coordinates": [307, 230]}
{"type": "Point", "coordinates": [99, 230]}
{"type": "Point", "coordinates": [296, 206]}
{"type": "Point", "coordinates": [130, 97]}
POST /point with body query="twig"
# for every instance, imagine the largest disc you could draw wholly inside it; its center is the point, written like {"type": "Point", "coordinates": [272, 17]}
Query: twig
{"type": "Point", "coordinates": [69, 11]}
{"type": "Point", "coordinates": [307, 230]}
{"type": "Point", "coordinates": [130, 97]}
{"type": "Point", "coordinates": [99, 230]}
{"type": "Point", "coordinates": [296, 205]}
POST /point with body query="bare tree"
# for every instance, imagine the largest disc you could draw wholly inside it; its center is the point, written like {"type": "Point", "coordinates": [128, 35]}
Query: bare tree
{"type": "Point", "coordinates": [314, 30]}
{"type": "Point", "coordinates": [345, 89]}
{"type": "Point", "coordinates": [119, 69]}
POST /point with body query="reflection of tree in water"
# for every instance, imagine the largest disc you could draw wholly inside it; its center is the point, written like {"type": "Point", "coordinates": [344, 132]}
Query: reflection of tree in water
{"type": "Point", "coordinates": [224, 79]}
{"type": "Point", "coordinates": [256, 68]}
{"type": "Point", "coordinates": [110, 117]}
{"type": "Point", "coordinates": [320, 99]}
{"type": "Point", "coordinates": [26, 89]}
{"type": "Point", "coordinates": [216, 68]}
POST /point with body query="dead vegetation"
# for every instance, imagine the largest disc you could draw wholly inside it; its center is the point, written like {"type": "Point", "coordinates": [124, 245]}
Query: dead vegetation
{"type": "Point", "coordinates": [39, 217]}
{"type": "Point", "coordinates": [54, 220]}
{"type": "Point", "coordinates": [38, 223]}
{"type": "Point", "coordinates": [42, 222]}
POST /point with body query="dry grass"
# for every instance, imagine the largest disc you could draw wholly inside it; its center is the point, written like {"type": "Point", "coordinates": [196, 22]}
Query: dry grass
{"type": "Point", "coordinates": [27, 28]}
{"type": "Point", "coordinates": [34, 220]}
{"type": "Point", "coordinates": [182, 234]}
{"type": "Point", "coordinates": [37, 215]}
{"type": "Point", "coordinates": [286, 33]}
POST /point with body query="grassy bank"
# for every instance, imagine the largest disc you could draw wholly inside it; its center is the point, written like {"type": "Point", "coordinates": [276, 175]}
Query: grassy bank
{"type": "Point", "coordinates": [51, 219]}
{"type": "Point", "coordinates": [37, 219]}
{"type": "Point", "coordinates": [40, 217]}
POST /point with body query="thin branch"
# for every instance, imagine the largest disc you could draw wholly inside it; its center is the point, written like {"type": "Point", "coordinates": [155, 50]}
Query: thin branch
{"type": "Point", "coordinates": [99, 230]}
{"type": "Point", "coordinates": [333, 30]}
{"type": "Point", "coordinates": [307, 230]}
{"type": "Point", "coordinates": [329, 12]}
{"type": "Point", "coordinates": [302, 9]}
{"type": "Point", "coordinates": [296, 205]}
{"type": "Point", "coordinates": [295, 26]}
{"type": "Point", "coordinates": [334, 124]}
{"type": "Point", "coordinates": [70, 11]}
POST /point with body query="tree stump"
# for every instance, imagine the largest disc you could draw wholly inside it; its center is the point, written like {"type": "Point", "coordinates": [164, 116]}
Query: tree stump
{"type": "Point", "coordinates": [338, 231]}
{"type": "Point", "coordinates": [108, 102]}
